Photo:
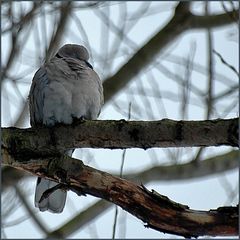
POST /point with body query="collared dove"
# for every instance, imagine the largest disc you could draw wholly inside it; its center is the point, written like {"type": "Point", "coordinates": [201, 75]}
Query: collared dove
{"type": "Point", "coordinates": [64, 88]}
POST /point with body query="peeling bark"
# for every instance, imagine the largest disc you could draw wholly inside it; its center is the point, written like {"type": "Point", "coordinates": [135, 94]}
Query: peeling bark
{"type": "Point", "coordinates": [157, 211]}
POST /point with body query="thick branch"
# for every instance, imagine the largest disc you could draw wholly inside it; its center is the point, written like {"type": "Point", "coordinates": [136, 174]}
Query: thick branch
{"type": "Point", "coordinates": [120, 134]}
{"type": "Point", "coordinates": [190, 170]}
{"type": "Point", "coordinates": [159, 212]}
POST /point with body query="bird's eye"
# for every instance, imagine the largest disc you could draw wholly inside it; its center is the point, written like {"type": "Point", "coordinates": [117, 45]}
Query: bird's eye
{"type": "Point", "coordinates": [89, 65]}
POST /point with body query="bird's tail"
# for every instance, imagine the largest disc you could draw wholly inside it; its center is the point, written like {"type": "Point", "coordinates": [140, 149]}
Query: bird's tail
{"type": "Point", "coordinates": [55, 202]}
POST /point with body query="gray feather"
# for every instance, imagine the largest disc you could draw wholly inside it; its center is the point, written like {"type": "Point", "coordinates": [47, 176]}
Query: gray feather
{"type": "Point", "coordinates": [55, 202]}
{"type": "Point", "coordinates": [74, 51]}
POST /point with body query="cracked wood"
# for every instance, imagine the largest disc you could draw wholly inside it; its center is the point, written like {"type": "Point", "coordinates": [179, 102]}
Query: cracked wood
{"type": "Point", "coordinates": [157, 211]}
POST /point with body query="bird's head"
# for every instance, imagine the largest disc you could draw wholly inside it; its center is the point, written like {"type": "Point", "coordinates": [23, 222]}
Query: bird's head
{"type": "Point", "coordinates": [73, 51]}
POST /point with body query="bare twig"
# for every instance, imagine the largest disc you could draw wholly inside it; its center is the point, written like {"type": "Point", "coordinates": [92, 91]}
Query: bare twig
{"type": "Point", "coordinates": [179, 60]}
{"type": "Point", "coordinates": [209, 100]}
{"type": "Point", "coordinates": [225, 63]}
{"type": "Point", "coordinates": [232, 90]}
{"type": "Point", "coordinates": [210, 67]}
{"type": "Point", "coordinates": [82, 219]}
{"type": "Point", "coordinates": [16, 30]}
{"type": "Point", "coordinates": [121, 173]}
{"type": "Point", "coordinates": [232, 15]}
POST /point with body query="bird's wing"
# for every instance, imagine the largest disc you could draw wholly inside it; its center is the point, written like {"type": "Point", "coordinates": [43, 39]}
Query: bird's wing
{"type": "Point", "coordinates": [88, 91]}
{"type": "Point", "coordinates": [36, 96]}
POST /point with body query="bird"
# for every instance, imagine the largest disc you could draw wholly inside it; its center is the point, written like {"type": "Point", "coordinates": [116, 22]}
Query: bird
{"type": "Point", "coordinates": [64, 88]}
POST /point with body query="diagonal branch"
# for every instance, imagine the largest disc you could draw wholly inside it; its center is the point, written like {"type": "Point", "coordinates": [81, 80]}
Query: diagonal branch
{"type": "Point", "coordinates": [157, 211]}
{"type": "Point", "coordinates": [183, 20]}
{"type": "Point", "coordinates": [81, 219]}
{"type": "Point", "coordinates": [210, 166]}
{"type": "Point", "coordinates": [146, 54]}
{"type": "Point", "coordinates": [190, 170]}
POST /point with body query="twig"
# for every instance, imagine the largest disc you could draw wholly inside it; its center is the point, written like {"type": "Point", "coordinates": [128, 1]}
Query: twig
{"type": "Point", "coordinates": [210, 67]}
{"type": "Point", "coordinates": [232, 15]}
{"type": "Point", "coordinates": [121, 173]}
{"type": "Point", "coordinates": [225, 63]}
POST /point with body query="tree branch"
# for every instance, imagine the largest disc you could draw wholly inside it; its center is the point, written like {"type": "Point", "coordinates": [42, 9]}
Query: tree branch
{"type": "Point", "coordinates": [112, 134]}
{"type": "Point", "coordinates": [16, 29]}
{"type": "Point", "coordinates": [81, 219]}
{"type": "Point", "coordinates": [175, 172]}
{"type": "Point", "coordinates": [159, 212]}
{"type": "Point", "coordinates": [190, 170]}
{"type": "Point", "coordinates": [213, 165]}
{"type": "Point", "coordinates": [212, 21]}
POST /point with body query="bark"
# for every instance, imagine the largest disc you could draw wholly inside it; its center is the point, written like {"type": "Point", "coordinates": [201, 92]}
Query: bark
{"type": "Point", "coordinates": [191, 170]}
{"type": "Point", "coordinates": [157, 211]}
{"type": "Point", "coordinates": [114, 134]}
{"type": "Point", "coordinates": [175, 172]}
